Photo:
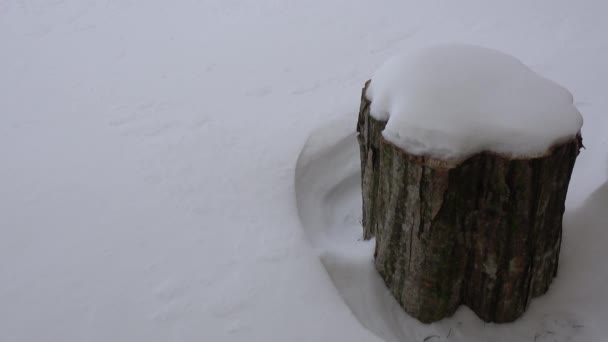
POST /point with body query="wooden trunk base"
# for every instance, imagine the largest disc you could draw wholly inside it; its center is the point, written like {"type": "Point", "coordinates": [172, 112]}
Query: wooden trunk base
{"type": "Point", "coordinates": [485, 233]}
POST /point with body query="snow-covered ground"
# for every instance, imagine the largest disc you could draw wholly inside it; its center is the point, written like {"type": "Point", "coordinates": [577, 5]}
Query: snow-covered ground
{"type": "Point", "coordinates": [149, 149]}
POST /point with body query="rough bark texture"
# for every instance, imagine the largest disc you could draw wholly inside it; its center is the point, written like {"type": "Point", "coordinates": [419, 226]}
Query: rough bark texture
{"type": "Point", "coordinates": [370, 134]}
{"type": "Point", "coordinates": [485, 233]}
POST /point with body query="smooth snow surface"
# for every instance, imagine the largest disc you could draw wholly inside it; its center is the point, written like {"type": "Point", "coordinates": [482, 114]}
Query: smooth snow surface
{"type": "Point", "coordinates": [450, 101]}
{"type": "Point", "coordinates": [148, 151]}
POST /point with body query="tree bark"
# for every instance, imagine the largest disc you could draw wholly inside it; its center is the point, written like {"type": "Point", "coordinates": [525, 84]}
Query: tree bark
{"type": "Point", "coordinates": [485, 232]}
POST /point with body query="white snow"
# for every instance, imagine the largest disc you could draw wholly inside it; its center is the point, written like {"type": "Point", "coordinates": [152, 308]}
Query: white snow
{"type": "Point", "coordinates": [451, 101]}
{"type": "Point", "coordinates": [148, 180]}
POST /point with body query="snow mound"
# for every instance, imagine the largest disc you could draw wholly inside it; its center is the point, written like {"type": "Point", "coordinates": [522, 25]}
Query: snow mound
{"type": "Point", "coordinates": [451, 101]}
{"type": "Point", "coordinates": [327, 186]}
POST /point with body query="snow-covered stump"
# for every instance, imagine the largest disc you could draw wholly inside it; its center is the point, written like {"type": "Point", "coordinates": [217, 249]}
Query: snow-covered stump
{"type": "Point", "coordinates": [466, 206]}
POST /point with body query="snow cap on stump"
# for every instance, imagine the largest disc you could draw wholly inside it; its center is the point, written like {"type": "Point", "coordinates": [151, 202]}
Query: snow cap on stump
{"type": "Point", "coordinates": [452, 101]}
{"type": "Point", "coordinates": [466, 157]}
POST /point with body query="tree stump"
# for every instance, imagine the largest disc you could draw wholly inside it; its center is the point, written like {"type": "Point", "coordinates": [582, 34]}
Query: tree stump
{"type": "Point", "coordinates": [484, 232]}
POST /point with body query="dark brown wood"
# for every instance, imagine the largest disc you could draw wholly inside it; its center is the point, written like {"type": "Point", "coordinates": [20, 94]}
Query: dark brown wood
{"type": "Point", "coordinates": [484, 232]}
{"type": "Point", "coordinates": [370, 134]}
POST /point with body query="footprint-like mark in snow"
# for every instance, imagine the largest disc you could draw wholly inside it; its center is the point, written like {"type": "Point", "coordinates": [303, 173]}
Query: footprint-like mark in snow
{"type": "Point", "coordinates": [328, 197]}
{"type": "Point", "coordinates": [395, 41]}
{"type": "Point", "coordinates": [305, 90]}
{"type": "Point", "coordinates": [260, 91]}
